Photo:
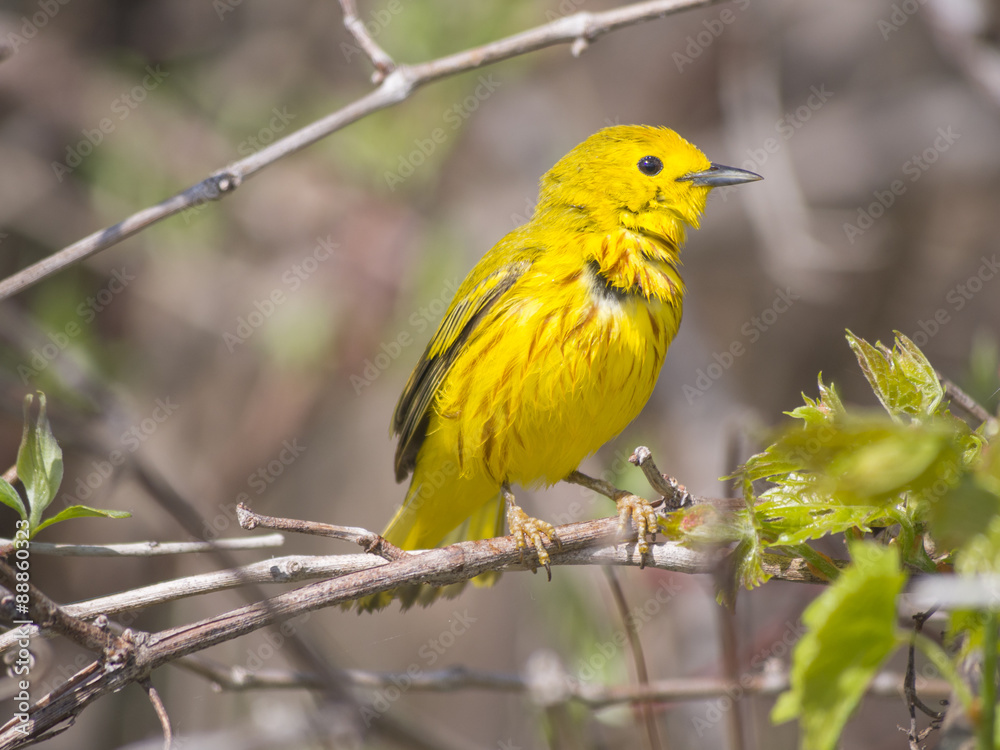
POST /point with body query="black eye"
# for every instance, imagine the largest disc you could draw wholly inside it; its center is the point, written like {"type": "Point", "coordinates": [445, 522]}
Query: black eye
{"type": "Point", "coordinates": [650, 165]}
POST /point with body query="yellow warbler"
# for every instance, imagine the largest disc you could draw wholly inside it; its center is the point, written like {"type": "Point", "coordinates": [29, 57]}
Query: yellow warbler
{"type": "Point", "coordinates": [552, 344]}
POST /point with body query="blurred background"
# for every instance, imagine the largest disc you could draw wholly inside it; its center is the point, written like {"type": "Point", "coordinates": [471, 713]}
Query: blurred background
{"type": "Point", "coordinates": [256, 346]}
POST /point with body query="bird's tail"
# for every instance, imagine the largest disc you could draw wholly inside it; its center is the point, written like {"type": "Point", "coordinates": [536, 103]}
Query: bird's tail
{"type": "Point", "coordinates": [441, 508]}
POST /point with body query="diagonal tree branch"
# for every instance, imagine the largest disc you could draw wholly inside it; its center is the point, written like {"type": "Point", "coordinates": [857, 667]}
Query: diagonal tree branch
{"type": "Point", "coordinates": [582, 543]}
{"type": "Point", "coordinates": [578, 29]}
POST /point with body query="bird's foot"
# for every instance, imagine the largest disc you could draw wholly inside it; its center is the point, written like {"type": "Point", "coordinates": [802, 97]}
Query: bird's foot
{"type": "Point", "coordinates": [641, 513]}
{"type": "Point", "coordinates": [531, 532]}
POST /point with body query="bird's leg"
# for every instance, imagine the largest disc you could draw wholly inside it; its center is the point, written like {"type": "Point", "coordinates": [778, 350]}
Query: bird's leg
{"type": "Point", "coordinates": [641, 512]}
{"type": "Point", "coordinates": [527, 530]}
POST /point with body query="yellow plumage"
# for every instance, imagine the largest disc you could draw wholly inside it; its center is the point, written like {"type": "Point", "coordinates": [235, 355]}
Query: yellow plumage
{"type": "Point", "coordinates": [554, 341]}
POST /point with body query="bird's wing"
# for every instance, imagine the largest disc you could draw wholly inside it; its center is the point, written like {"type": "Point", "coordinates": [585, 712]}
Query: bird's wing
{"type": "Point", "coordinates": [466, 312]}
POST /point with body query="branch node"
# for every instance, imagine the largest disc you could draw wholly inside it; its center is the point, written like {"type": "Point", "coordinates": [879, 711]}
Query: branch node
{"type": "Point", "coordinates": [675, 494]}
{"type": "Point", "coordinates": [381, 61]}
{"type": "Point", "coordinates": [225, 182]}
{"type": "Point", "coordinates": [246, 518]}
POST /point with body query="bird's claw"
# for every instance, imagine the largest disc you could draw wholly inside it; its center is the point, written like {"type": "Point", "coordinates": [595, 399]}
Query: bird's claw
{"type": "Point", "coordinates": [641, 513]}
{"type": "Point", "coordinates": [533, 532]}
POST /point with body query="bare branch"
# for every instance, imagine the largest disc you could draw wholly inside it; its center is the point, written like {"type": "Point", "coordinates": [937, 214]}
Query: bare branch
{"type": "Point", "coordinates": [964, 400]}
{"type": "Point", "coordinates": [582, 543]}
{"type": "Point", "coordinates": [290, 569]}
{"type": "Point", "coordinates": [396, 87]}
{"type": "Point", "coordinates": [47, 614]}
{"type": "Point", "coordinates": [379, 58]}
{"type": "Point", "coordinates": [161, 712]}
{"type": "Point", "coordinates": [638, 657]}
{"type": "Point", "coordinates": [674, 493]}
{"type": "Point", "coordinates": [597, 485]}
{"type": "Point", "coordinates": [450, 679]}
{"type": "Point", "coordinates": [153, 549]}
{"type": "Point", "coordinates": [371, 542]}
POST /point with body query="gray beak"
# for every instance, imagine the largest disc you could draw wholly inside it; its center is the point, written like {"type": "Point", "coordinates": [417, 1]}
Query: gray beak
{"type": "Point", "coordinates": [719, 175]}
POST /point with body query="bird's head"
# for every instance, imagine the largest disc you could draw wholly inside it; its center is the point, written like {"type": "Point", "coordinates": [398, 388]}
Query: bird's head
{"type": "Point", "coordinates": [636, 177]}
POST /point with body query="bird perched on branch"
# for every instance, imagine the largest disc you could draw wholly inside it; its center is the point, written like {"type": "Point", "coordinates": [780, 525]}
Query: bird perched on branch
{"type": "Point", "coordinates": [551, 345]}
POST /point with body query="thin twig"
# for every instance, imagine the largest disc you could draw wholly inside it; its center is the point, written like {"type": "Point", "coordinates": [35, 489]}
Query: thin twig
{"type": "Point", "coordinates": [369, 541]}
{"type": "Point", "coordinates": [457, 678]}
{"type": "Point", "coordinates": [161, 712]}
{"type": "Point", "coordinates": [395, 88]}
{"type": "Point", "coordinates": [289, 569]}
{"type": "Point", "coordinates": [10, 476]}
{"type": "Point", "coordinates": [964, 400]}
{"type": "Point", "coordinates": [913, 702]}
{"type": "Point", "coordinates": [597, 485]}
{"type": "Point", "coordinates": [638, 657]}
{"type": "Point", "coordinates": [674, 493]}
{"type": "Point", "coordinates": [47, 614]}
{"type": "Point", "coordinates": [986, 724]}
{"type": "Point", "coordinates": [154, 549]}
{"type": "Point", "coordinates": [730, 664]}
{"type": "Point", "coordinates": [355, 26]}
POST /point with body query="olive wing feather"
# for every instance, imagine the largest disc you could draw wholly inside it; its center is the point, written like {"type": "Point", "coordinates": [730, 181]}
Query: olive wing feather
{"type": "Point", "coordinates": [463, 317]}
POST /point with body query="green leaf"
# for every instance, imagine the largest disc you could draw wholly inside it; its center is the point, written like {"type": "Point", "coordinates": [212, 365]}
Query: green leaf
{"type": "Point", "coordinates": [81, 511]}
{"type": "Point", "coordinates": [9, 497]}
{"type": "Point", "coordinates": [902, 378]}
{"type": "Point", "coordinates": [39, 461]}
{"type": "Point", "coordinates": [827, 409]}
{"type": "Point", "coordinates": [958, 516]}
{"type": "Point", "coordinates": [851, 632]}
{"type": "Point", "coordinates": [793, 523]}
{"type": "Point", "coordinates": [869, 460]}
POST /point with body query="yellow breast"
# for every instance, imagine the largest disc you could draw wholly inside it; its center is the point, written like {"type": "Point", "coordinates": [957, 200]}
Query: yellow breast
{"type": "Point", "coordinates": [563, 365]}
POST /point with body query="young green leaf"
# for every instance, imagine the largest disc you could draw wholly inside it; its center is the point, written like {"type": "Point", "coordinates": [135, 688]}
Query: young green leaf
{"type": "Point", "coordinates": [81, 511]}
{"type": "Point", "coordinates": [10, 498]}
{"type": "Point", "coordinates": [39, 461]}
{"type": "Point", "coordinates": [851, 632]}
{"type": "Point", "coordinates": [902, 378]}
{"type": "Point", "coordinates": [827, 409]}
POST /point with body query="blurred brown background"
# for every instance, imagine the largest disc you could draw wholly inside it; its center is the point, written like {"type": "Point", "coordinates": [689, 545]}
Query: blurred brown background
{"type": "Point", "coordinates": [874, 124]}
